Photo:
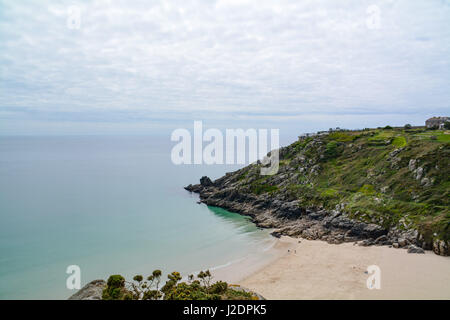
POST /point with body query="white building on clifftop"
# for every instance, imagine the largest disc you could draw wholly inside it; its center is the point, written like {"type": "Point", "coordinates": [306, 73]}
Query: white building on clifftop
{"type": "Point", "coordinates": [436, 122]}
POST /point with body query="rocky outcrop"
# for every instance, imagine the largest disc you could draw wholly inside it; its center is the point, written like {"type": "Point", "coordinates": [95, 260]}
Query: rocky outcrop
{"type": "Point", "coordinates": [288, 218]}
{"type": "Point", "coordinates": [92, 291]}
{"type": "Point", "coordinates": [204, 182]}
{"type": "Point", "coordinates": [347, 186]}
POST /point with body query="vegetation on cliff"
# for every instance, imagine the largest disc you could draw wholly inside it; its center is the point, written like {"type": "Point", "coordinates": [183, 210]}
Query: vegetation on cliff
{"type": "Point", "coordinates": [395, 178]}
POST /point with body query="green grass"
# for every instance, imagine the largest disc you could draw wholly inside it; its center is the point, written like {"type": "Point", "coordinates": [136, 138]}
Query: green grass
{"type": "Point", "coordinates": [342, 136]}
{"type": "Point", "coordinates": [363, 176]}
{"type": "Point", "coordinates": [381, 138]}
{"type": "Point", "coordinates": [329, 193]}
{"type": "Point", "coordinates": [263, 188]}
{"type": "Point", "coordinates": [399, 141]}
{"type": "Point", "coordinates": [367, 189]}
{"type": "Point", "coordinates": [441, 135]}
{"type": "Point", "coordinates": [382, 135]}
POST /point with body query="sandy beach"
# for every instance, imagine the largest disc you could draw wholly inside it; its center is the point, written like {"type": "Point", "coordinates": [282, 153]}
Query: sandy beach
{"type": "Point", "coordinates": [318, 270]}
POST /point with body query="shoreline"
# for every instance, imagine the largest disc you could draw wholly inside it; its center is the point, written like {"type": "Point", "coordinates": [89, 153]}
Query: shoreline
{"type": "Point", "coordinates": [301, 269]}
{"type": "Point", "coordinates": [236, 271]}
{"type": "Point", "coordinates": [314, 269]}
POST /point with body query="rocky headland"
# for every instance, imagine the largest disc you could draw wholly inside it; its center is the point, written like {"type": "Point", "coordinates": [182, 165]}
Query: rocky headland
{"type": "Point", "coordinates": [385, 186]}
{"type": "Point", "coordinates": [91, 291]}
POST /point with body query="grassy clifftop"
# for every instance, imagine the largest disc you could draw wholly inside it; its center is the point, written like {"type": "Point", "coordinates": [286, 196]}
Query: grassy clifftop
{"type": "Point", "coordinates": [391, 177]}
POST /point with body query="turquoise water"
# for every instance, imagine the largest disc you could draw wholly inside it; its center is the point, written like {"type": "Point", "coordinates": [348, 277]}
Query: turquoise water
{"type": "Point", "coordinates": [109, 205]}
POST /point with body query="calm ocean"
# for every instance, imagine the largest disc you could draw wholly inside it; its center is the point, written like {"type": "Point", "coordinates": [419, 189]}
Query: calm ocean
{"type": "Point", "coordinates": [111, 205]}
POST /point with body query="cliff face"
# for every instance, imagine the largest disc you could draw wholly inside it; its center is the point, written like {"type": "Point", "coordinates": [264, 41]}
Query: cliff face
{"type": "Point", "coordinates": [382, 186]}
{"type": "Point", "coordinates": [91, 291]}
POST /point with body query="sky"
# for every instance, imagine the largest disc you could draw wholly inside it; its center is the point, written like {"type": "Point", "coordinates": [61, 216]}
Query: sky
{"type": "Point", "coordinates": [149, 67]}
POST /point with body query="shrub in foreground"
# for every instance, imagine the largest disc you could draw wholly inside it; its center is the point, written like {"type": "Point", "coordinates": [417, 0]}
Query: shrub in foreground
{"type": "Point", "coordinates": [200, 287]}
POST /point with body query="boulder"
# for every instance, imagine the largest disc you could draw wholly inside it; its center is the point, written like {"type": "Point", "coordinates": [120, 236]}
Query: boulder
{"type": "Point", "coordinates": [381, 239]}
{"type": "Point", "coordinates": [402, 242]}
{"type": "Point", "coordinates": [92, 291]}
{"type": "Point", "coordinates": [276, 234]}
{"type": "Point", "coordinates": [415, 249]}
{"type": "Point", "coordinates": [366, 243]}
{"type": "Point", "coordinates": [441, 247]}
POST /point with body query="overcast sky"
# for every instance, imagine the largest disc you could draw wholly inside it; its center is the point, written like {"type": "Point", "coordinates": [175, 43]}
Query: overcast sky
{"type": "Point", "coordinates": [153, 66]}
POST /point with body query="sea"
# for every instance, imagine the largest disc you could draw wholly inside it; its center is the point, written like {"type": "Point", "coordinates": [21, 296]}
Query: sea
{"type": "Point", "coordinates": [109, 205]}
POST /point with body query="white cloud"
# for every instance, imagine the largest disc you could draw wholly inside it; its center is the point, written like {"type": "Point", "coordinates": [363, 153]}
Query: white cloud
{"type": "Point", "coordinates": [258, 58]}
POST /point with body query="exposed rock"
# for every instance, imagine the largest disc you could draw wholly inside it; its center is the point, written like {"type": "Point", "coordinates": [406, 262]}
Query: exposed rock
{"type": "Point", "coordinates": [418, 173]}
{"type": "Point", "coordinates": [381, 240]}
{"type": "Point", "coordinates": [287, 216]}
{"type": "Point", "coordinates": [441, 247]}
{"type": "Point", "coordinates": [404, 237]}
{"type": "Point", "coordinates": [395, 152]}
{"type": "Point", "coordinates": [402, 242]}
{"type": "Point", "coordinates": [426, 182]}
{"type": "Point", "coordinates": [296, 202]}
{"type": "Point", "coordinates": [365, 243]}
{"type": "Point", "coordinates": [193, 188]}
{"type": "Point", "coordinates": [92, 291]}
{"type": "Point", "coordinates": [414, 249]}
{"type": "Point", "coordinates": [206, 182]}
{"type": "Point", "coordinates": [412, 164]}
{"type": "Point", "coordinates": [276, 234]}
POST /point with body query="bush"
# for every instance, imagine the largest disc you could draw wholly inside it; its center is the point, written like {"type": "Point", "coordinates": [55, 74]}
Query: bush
{"type": "Point", "coordinates": [201, 288]}
{"type": "Point", "coordinates": [219, 287]}
{"type": "Point", "coordinates": [447, 125]}
{"type": "Point", "coordinates": [184, 291]}
{"type": "Point", "coordinates": [331, 150]}
{"type": "Point", "coordinates": [407, 126]}
{"type": "Point", "coordinates": [115, 288]}
{"type": "Point", "coordinates": [388, 128]}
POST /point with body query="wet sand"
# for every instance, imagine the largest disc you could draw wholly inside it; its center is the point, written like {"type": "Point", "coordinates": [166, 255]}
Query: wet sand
{"type": "Point", "coordinates": [318, 270]}
{"type": "Point", "coordinates": [236, 271]}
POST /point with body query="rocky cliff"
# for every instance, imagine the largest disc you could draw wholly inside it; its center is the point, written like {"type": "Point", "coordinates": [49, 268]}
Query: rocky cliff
{"type": "Point", "coordinates": [91, 291]}
{"type": "Point", "coordinates": [375, 187]}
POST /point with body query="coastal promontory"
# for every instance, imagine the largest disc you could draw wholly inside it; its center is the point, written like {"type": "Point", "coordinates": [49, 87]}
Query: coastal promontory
{"type": "Point", "coordinates": [385, 186]}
